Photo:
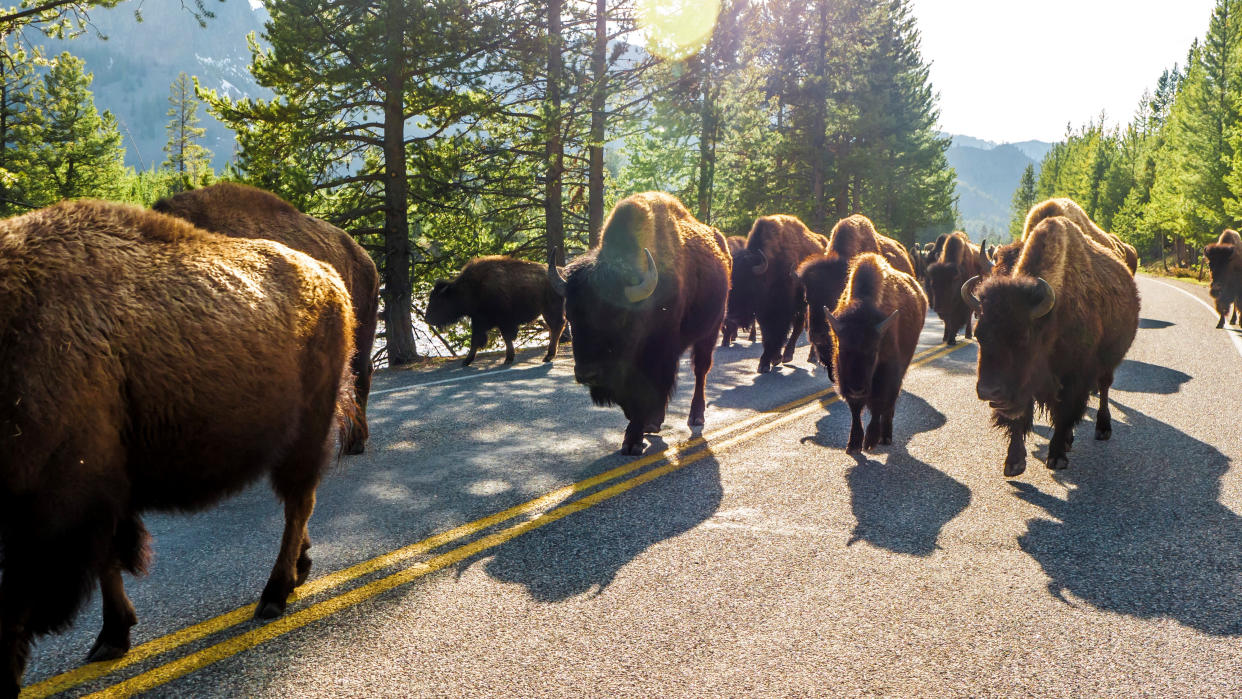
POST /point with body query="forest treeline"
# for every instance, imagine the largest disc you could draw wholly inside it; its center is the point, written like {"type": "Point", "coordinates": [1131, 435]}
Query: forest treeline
{"type": "Point", "coordinates": [439, 130]}
{"type": "Point", "coordinates": [1171, 179]}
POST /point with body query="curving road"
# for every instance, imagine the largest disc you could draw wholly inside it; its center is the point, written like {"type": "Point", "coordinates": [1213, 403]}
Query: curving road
{"type": "Point", "coordinates": [755, 559]}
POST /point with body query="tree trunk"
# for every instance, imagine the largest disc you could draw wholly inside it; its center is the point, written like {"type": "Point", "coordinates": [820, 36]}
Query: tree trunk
{"type": "Point", "coordinates": [1164, 258]}
{"type": "Point", "coordinates": [599, 61]}
{"type": "Point", "coordinates": [554, 216]}
{"type": "Point", "coordinates": [707, 143]}
{"type": "Point", "coordinates": [1179, 249]}
{"type": "Point", "coordinates": [819, 126]}
{"type": "Point", "coordinates": [398, 287]}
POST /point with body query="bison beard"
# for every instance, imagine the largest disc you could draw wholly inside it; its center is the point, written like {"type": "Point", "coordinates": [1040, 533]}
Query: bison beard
{"type": "Point", "coordinates": [170, 368]}
{"type": "Point", "coordinates": [240, 211]}
{"type": "Point", "coordinates": [1225, 263]}
{"type": "Point", "coordinates": [1050, 332]}
{"type": "Point", "coordinates": [655, 285]}
{"type": "Point", "coordinates": [877, 325]}
{"type": "Point", "coordinates": [498, 292]}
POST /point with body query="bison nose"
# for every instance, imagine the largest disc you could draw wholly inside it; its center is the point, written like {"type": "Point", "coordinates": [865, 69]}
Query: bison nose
{"type": "Point", "coordinates": [989, 392]}
{"type": "Point", "coordinates": [587, 375]}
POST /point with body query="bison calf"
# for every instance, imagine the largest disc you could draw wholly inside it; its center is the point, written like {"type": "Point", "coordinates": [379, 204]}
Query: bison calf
{"type": "Point", "coordinates": [877, 324]}
{"type": "Point", "coordinates": [498, 292]}
{"type": "Point", "coordinates": [1225, 263]}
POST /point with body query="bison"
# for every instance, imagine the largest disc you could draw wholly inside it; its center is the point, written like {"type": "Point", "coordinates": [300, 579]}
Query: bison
{"type": "Point", "coordinates": [1070, 209]}
{"type": "Point", "coordinates": [655, 284]}
{"type": "Point", "coordinates": [147, 364]}
{"type": "Point", "coordinates": [824, 276]}
{"type": "Point", "coordinates": [877, 324]}
{"type": "Point", "coordinates": [1051, 331]}
{"type": "Point", "coordinates": [728, 332]}
{"type": "Point", "coordinates": [1225, 263]}
{"type": "Point", "coordinates": [765, 285]}
{"type": "Point", "coordinates": [959, 260]}
{"type": "Point", "coordinates": [498, 292]}
{"type": "Point", "coordinates": [239, 211]}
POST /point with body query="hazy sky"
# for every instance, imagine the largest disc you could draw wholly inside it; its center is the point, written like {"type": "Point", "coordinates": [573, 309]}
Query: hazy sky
{"type": "Point", "coordinates": [1013, 70]}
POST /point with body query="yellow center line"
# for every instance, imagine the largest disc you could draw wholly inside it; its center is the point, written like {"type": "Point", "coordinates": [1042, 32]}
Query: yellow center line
{"type": "Point", "coordinates": [206, 628]}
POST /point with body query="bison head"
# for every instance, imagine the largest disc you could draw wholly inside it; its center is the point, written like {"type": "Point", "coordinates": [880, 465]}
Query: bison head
{"type": "Point", "coordinates": [443, 305]}
{"type": "Point", "coordinates": [1012, 347]}
{"type": "Point", "coordinates": [944, 280]}
{"type": "Point", "coordinates": [606, 302]}
{"type": "Point", "coordinates": [746, 286]}
{"type": "Point", "coordinates": [824, 278]}
{"type": "Point", "coordinates": [859, 329]}
{"type": "Point", "coordinates": [1219, 256]}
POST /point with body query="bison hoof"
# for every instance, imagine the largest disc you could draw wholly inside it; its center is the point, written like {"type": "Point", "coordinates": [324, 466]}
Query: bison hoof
{"type": "Point", "coordinates": [633, 449]}
{"type": "Point", "coordinates": [951, 341]}
{"type": "Point", "coordinates": [764, 368]}
{"type": "Point", "coordinates": [269, 610]}
{"type": "Point", "coordinates": [787, 357]}
{"type": "Point", "coordinates": [1015, 468]}
{"type": "Point", "coordinates": [696, 421]}
{"type": "Point", "coordinates": [1058, 463]}
{"type": "Point", "coordinates": [466, 362]}
{"type": "Point", "coordinates": [886, 440]}
{"type": "Point", "coordinates": [1221, 324]}
{"type": "Point", "coordinates": [1103, 433]}
{"type": "Point", "coordinates": [103, 650]}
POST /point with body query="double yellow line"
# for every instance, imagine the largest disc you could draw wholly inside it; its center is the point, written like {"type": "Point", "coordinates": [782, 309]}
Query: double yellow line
{"type": "Point", "coordinates": [677, 457]}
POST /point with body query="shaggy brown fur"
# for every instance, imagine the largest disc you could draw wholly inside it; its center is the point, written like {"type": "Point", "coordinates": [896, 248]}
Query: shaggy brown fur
{"type": "Point", "coordinates": [146, 364]}
{"type": "Point", "coordinates": [239, 211]}
{"type": "Point", "coordinates": [765, 285]}
{"type": "Point", "coordinates": [626, 351]}
{"type": "Point", "coordinates": [960, 260]}
{"type": "Point", "coordinates": [1059, 358]}
{"type": "Point", "coordinates": [1070, 209]}
{"type": "Point", "coordinates": [824, 276]}
{"type": "Point", "coordinates": [728, 331]}
{"type": "Point", "coordinates": [498, 292]}
{"type": "Point", "coordinates": [1225, 262]}
{"type": "Point", "coordinates": [872, 355]}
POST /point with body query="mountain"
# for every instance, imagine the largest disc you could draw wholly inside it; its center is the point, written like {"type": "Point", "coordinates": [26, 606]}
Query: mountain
{"type": "Point", "coordinates": [135, 62]}
{"type": "Point", "coordinates": [987, 175]}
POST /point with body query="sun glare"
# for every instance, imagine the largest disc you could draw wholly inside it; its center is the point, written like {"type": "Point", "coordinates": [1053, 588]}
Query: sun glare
{"type": "Point", "coordinates": [677, 29]}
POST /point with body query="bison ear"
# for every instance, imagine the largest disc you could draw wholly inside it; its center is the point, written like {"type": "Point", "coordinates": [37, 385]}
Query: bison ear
{"type": "Point", "coordinates": [1047, 301]}
{"type": "Point", "coordinates": [887, 322]}
{"type": "Point", "coordinates": [559, 285]}
{"type": "Point", "coordinates": [832, 321]}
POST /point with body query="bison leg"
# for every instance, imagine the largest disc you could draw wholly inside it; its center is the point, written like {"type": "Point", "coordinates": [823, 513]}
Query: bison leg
{"type": "Point", "coordinates": [508, 334]}
{"type": "Point", "coordinates": [1103, 416]}
{"type": "Point", "coordinates": [812, 356]}
{"type": "Point", "coordinates": [478, 340]}
{"type": "Point", "coordinates": [856, 429]}
{"type": "Point", "coordinates": [1016, 429]}
{"type": "Point", "coordinates": [633, 444]}
{"type": "Point", "coordinates": [969, 317]}
{"type": "Point", "coordinates": [556, 327]}
{"type": "Point", "coordinates": [1220, 323]}
{"type": "Point", "coordinates": [702, 359]}
{"type": "Point", "coordinates": [1237, 317]}
{"type": "Point", "coordinates": [1064, 417]}
{"type": "Point", "coordinates": [799, 320]}
{"type": "Point", "coordinates": [15, 640]}
{"type": "Point", "coordinates": [293, 563]}
{"type": "Point", "coordinates": [356, 437]}
{"type": "Point", "coordinates": [118, 617]}
{"type": "Point", "coordinates": [752, 332]}
{"type": "Point", "coordinates": [728, 333]}
{"type": "Point", "coordinates": [774, 334]}
{"type": "Point", "coordinates": [950, 334]}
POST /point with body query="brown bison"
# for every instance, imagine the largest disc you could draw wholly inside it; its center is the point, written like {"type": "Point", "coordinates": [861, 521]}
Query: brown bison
{"type": "Point", "coordinates": [656, 283]}
{"type": "Point", "coordinates": [877, 324]}
{"type": "Point", "coordinates": [239, 211]}
{"type": "Point", "coordinates": [150, 365]}
{"type": "Point", "coordinates": [728, 331]}
{"type": "Point", "coordinates": [1070, 209]}
{"type": "Point", "coordinates": [824, 276]}
{"type": "Point", "coordinates": [765, 285]}
{"type": "Point", "coordinates": [1225, 263]}
{"type": "Point", "coordinates": [959, 260]}
{"type": "Point", "coordinates": [1051, 331]}
{"type": "Point", "coordinates": [498, 292]}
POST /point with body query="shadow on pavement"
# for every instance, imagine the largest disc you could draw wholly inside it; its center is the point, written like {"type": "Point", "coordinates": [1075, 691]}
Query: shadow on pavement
{"type": "Point", "coordinates": [1153, 324]}
{"type": "Point", "coordinates": [583, 553]}
{"type": "Point", "coordinates": [1142, 532]}
{"type": "Point", "coordinates": [1140, 377]}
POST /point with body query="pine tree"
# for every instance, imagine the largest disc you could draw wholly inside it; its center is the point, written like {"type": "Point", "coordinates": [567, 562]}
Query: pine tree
{"type": "Point", "coordinates": [74, 150]}
{"type": "Point", "coordinates": [1023, 200]}
{"type": "Point", "coordinates": [186, 156]}
{"type": "Point", "coordinates": [17, 83]}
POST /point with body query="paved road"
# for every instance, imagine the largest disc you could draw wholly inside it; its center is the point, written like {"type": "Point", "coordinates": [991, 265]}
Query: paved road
{"type": "Point", "coordinates": [766, 562]}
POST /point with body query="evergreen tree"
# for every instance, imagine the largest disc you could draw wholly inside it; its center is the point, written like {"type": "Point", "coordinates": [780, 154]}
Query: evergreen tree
{"type": "Point", "coordinates": [186, 156]}
{"type": "Point", "coordinates": [1023, 200]}
{"type": "Point", "coordinates": [74, 151]}
{"type": "Point", "coordinates": [17, 82]}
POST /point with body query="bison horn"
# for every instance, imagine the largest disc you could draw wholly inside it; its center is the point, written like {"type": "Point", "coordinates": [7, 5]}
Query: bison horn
{"type": "Point", "coordinates": [985, 260]}
{"type": "Point", "coordinates": [832, 321]}
{"type": "Point", "coordinates": [559, 285]}
{"type": "Point", "coordinates": [1049, 300]}
{"type": "Point", "coordinates": [968, 295]}
{"type": "Point", "coordinates": [647, 285]}
{"type": "Point", "coordinates": [763, 265]}
{"type": "Point", "coordinates": [887, 322]}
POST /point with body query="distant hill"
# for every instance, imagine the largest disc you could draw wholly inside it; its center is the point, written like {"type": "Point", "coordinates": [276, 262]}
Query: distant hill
{"type": "Point", "coordinates": [137, 62]}
{"type": "Point", "coordinates": [987, 175]}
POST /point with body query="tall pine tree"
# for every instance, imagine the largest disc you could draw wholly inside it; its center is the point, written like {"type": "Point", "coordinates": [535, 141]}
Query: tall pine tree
{"type": "Point", "coordinates": [186, 156]}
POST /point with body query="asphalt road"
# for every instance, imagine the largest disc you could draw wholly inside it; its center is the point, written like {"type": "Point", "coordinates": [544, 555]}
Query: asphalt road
{"type": "Point", "coordinates": [766, 561]}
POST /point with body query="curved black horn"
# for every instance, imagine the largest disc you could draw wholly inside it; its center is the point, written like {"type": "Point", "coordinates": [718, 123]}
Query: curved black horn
{"type": "Point", "coordinates": [559, 285]}
{"type": "Point", "coordinates": [762, 266]}
{"type": "Point", "coordinates": [647, 285]}
{"type": "Point", "coordinates": [887, 322]}
{"type": "Point", "coordinates": [1050, 300]}
{"type": "Point", "coordinates": [968, 295]}
{"type": "Point", "coordinates": [985, 260]}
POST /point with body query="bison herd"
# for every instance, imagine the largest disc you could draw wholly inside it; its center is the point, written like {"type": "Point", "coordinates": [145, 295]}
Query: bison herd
{"type": "Point", "coordinates": [162, 360]}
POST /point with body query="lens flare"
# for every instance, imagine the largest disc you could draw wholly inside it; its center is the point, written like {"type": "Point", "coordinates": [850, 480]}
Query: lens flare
{"type": "Point", "coordinates": [677, 29]}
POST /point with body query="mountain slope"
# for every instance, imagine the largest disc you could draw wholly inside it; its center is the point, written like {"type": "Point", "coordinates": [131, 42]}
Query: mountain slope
{"type": "Point", "coordinates": [986, 180]}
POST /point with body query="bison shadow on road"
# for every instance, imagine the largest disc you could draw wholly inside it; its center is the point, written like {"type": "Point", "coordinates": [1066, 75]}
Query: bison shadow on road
{"type": "Point", "coordinates": [584, 552]}
{"type": "Point", "coordinates": [1142, 532]}
{"type": "Point", "coordinates": [1134, 376]}
{"type": "Point", "coordinates": [899, 505]}
{"type": "Point", "coordinates": [1153, 324]}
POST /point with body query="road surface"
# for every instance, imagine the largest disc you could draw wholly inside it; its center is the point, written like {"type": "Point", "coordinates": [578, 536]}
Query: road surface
{"type": "Point", "coordinates": [493, 542]}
